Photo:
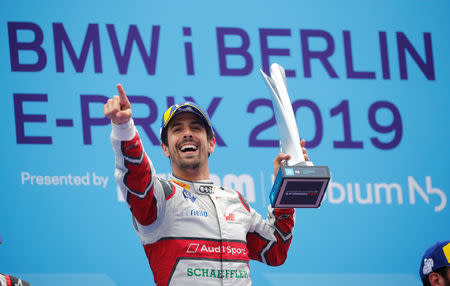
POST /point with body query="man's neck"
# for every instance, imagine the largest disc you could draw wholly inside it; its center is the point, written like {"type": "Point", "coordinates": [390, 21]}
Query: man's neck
{"type": "Point", "coordinates": [191, 175]}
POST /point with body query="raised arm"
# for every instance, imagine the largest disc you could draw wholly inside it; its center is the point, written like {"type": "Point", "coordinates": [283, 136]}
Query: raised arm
{"type": "Point", "coordinates": [270, 239]}
{"type": "Point", "coordinates": [134, 172]}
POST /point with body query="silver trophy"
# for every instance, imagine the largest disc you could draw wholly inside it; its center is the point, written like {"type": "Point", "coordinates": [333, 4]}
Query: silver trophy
{"type": "Point", "coordinates": [298, 184]}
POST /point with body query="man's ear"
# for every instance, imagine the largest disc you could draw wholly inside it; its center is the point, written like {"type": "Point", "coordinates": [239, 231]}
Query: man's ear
{"type": "Point", "coordinates": [434, 279]}
{"type": "Point", "coordinates": [165, 150]}
{"type": "Point", "coordinates": [211, 145]}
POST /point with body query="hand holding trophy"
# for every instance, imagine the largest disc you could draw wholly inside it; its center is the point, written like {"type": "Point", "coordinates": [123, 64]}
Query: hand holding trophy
{"type": "Point", "coordinates": [299, 184]}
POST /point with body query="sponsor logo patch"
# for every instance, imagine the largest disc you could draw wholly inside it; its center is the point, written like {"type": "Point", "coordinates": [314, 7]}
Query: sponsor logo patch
{"type": "Point", "coordinates": [189, 195]}
{"type": "Point", "coordinates": [208, 189]}
{"type": "Point", "coordinates": [225, 249]}
{"type": "Point", "coordinates": [230, 217]}
{"type": "Point", "coordinates": [192, 248]}
{"type": "Point", "coordinates": [217, 273]}
{"type": "Point", "coordinates": [187, 212]}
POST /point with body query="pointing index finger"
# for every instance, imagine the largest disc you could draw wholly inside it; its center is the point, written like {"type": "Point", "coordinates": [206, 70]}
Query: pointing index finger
{"type": "Point", "coordinates": [122, 95]}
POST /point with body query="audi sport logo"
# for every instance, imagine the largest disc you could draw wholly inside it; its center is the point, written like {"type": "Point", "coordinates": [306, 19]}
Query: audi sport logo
{"type": "Point", "coordinates": [227, 249]}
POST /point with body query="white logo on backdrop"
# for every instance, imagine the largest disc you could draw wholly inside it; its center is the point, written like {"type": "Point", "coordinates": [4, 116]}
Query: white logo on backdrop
{"type": "Point", "coordinates": [337, 193]}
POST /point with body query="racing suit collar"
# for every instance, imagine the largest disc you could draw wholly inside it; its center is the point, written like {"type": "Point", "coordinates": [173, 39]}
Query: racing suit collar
{"type": "Point", "coordinates": [201, 186]}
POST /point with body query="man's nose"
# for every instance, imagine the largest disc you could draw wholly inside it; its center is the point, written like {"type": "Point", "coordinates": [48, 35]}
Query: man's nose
{"type": "Point", "coordinates": [187, 132]}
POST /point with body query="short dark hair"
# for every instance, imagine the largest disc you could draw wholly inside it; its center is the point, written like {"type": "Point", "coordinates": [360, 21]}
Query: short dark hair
{"type": "Point", "coordinates": [441, 271]}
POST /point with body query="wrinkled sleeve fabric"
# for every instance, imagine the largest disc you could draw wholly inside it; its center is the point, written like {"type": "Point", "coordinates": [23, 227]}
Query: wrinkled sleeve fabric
{"type": "Point", "coordinates": [135, 176]}
{"type": "Point", "coordinates": [268, 240]}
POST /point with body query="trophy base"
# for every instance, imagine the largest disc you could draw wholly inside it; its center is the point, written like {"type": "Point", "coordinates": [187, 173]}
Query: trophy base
{"type": "Point", "coordinates": [300, 186]}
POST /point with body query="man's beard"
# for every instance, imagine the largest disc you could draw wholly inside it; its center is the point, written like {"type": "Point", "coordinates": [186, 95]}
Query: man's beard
{"type": "Point", "coordinates": [187, 163]}
{"type": "Point", "coordinates": [192, 165]}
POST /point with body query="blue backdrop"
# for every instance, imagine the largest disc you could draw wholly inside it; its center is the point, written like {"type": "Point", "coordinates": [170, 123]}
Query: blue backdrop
{"type": "Point", "coordinates": [369, 82]}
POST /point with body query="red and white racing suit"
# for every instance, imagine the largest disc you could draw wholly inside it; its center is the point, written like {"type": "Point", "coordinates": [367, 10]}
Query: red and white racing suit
{"type": "Point", "coordinates": [195, 232]}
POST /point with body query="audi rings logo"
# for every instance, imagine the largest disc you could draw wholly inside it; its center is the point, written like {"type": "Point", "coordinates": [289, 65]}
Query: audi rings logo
{"type": "Point", "coordinates": [226, 249]}
{"type": "Point", "coordinates": [206, 189]}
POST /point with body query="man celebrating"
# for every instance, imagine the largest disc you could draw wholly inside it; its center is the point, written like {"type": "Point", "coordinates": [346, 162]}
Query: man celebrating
{"type": "Point", "coordinates": [191, 230]}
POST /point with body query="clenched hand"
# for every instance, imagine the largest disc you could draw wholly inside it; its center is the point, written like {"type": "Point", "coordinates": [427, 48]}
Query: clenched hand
{"type": "Point", "coordinates": [282, 156]}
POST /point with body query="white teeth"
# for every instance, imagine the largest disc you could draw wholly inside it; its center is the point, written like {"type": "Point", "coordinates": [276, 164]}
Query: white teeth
{"type": "Point", "coordinates": [185, 147]}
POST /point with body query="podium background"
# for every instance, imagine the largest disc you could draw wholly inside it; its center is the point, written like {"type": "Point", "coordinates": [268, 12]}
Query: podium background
{"type": "Point", "coordinates": [382, 63]}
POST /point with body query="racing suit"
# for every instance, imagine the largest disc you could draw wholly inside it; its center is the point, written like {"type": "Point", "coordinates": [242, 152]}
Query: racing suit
{"type": "Point", "coordinates": [195, 232]}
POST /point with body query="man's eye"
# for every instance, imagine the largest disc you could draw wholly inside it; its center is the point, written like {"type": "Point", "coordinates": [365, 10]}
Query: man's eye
{"type": "Point", "coordinates": [197, 127]}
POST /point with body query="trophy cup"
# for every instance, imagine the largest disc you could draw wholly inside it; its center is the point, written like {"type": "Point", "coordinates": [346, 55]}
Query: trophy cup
{"type": "Point", "coordinates": [298, 184]}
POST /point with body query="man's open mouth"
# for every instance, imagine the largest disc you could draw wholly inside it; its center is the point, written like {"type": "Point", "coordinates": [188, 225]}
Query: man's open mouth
{"type": "Point", "coordinates": [190, 147]}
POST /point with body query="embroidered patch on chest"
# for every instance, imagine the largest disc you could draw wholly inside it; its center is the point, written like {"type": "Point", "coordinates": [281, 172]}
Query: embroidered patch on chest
{"type": "Point", "coordinates": [189, 195]}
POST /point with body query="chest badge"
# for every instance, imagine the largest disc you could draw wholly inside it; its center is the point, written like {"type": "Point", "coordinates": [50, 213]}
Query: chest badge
{"type": "Point", "coordinates": [188, 195]}
{"type": "Point", "coordinates": [208, 189]}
